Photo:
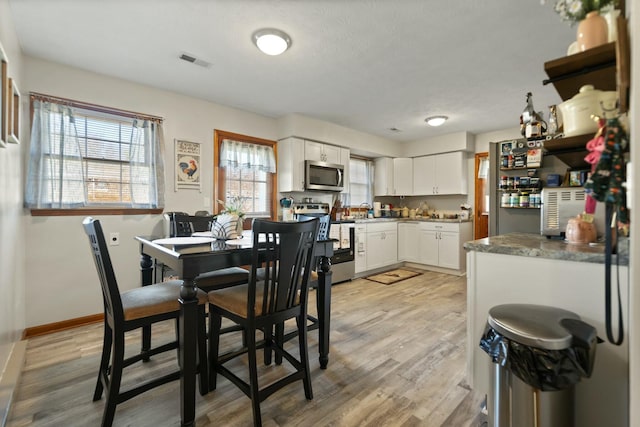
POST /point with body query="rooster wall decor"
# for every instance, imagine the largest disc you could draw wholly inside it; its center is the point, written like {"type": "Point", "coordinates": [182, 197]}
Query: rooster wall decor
{"type": "Point", "coordinates": [189, 168]}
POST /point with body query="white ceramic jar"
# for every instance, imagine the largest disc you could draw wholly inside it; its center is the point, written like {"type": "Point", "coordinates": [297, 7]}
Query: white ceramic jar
{"type": "Point", "coordinates": [577, 111]}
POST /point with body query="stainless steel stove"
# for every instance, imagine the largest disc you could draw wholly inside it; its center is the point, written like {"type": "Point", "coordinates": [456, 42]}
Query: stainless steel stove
{"type": "Point", "coordinates": [343, 264]}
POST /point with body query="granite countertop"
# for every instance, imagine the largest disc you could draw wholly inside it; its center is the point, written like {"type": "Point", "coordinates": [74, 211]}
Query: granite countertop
{"type": "Point", "coordinates": [420, 219]}
{"type": "Point", "coordinates": [535, 245]}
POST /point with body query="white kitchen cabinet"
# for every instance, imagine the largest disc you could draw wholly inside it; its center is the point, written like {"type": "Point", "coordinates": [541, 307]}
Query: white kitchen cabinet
{"type": "Point", "coordinates": [441, 244]}
{"type": "Point", "coordinates": [440, 174]}
{"type": "Point", "coordinates": [291, 152]}
{"type": "Point", "coordinates": [383, 177]}
{"type": "Point", "coordinates": [428, 244]}
{"type": "Point", "coordinates": [402, 176]}
{"type": "Point", "coordinates": [361, 248]}
{"type": "Point", "coordinates": [345, 156]}
{"type": "Point", "coordinates": [382, 244]}
{"type": "Point", "coordinates": [393, 177]}
{"type": "Point", "coordinates": [320, 152]}
{"type": "Point", "coordinates": [408, 241]}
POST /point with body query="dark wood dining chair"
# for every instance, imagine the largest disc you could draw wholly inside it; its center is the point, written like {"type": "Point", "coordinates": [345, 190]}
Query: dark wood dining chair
{"type": "Point", "coordinates": [182, 225]}
{"type": "Point", "coordinates": [323, 234]}
{"type": "Point", "coordinates": [130, 310]}
{"type": "Point", "coordinates": [285, 251]}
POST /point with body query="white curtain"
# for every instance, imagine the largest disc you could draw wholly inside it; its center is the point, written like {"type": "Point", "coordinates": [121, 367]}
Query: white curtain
{"type": "Point", "coordinates": [245, 155]}
{"type": "Point", "coordinates": [55, 177]}
{"type": "Point", "coordinates": [68, 155]}
{"type": "Point", "coordinates": [146, 164]}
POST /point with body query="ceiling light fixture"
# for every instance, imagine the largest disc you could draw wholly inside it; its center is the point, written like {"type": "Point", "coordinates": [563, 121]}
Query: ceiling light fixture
{"type": "Point", "coordinates": [271, 41]}
{"type": "Point", "coordinates": [436, 120]}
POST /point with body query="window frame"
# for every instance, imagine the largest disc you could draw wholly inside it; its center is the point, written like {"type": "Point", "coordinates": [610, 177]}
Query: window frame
{"type": "Point", "coordinates": [92, 210]}
{"type": "Point", "coordinates": [371, 165]}
{"type": "Point", "coordinates": [219, 174]}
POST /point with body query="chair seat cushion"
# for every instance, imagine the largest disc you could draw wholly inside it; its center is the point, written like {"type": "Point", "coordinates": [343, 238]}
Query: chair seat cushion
{"type": "Point", "coordinates": [155, 299]}
{"type": "Point", "coordinates": [223, 278]}
{"type": "Point", "coordinates": [235, 299]}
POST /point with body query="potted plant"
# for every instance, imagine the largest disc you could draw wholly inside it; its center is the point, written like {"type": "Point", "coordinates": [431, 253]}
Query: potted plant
{"type": "Point", "coordinates": [229, 222]}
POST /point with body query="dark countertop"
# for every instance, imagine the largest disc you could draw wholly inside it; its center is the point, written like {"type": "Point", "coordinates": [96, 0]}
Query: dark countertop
{"type": "Point", "coordinates": [417, 219]}
{"type": "Point", "coordinates": [535, 245]}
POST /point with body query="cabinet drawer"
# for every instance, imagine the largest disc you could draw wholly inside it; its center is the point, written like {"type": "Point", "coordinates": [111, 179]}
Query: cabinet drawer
{"type": "Point", "coordinates": [377, 227]}
{"type": "Point", "coordinates": [440, 226]}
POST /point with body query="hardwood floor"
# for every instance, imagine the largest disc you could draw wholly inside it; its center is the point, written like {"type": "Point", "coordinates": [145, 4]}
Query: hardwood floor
{"type": "Point", "coordinates": [397, 359]}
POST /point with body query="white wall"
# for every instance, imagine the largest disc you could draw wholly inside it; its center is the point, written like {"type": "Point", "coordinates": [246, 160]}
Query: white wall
{"type": "Point", "coordinates": [61, 278]}
{"type": "Point", "coordinates": [12, 231]}
{"type": "Point", "coordinates": [440, 144]}
{"type": "Point", "coordinates": [359, 142]}
{"type": "Point", "coordinates": [484, 139]}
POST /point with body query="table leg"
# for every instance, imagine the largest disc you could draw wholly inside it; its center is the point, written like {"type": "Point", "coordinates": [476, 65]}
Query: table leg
{"type": "Point", "coordinates": [324, 309]}
{"type": "Point", "coordinates": [146, 276]}
{"type": "Point", "coordinates": [188, 330]}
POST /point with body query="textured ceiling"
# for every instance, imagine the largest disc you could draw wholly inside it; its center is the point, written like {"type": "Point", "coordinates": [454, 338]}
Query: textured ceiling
{"type": "Point", "coordinates": [364, 64]}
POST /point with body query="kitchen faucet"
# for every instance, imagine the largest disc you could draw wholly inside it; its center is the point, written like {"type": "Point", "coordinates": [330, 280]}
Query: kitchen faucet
{"type": "Point", "coordinates": [360, 213]}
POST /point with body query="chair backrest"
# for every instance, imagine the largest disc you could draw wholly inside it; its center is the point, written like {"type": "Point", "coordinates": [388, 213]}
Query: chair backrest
{"type": "Point", "coordinates": [285, 251]}
{"type": "Point", "coordinates": [181, 224]}
{"type": "Point", "coordinates": [325, 224]}
{"type": "Point", "coordinates": [110, 292]}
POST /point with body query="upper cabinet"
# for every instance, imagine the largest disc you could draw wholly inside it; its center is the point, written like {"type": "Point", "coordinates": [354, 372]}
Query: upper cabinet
{"type": "Point", "coordinates": [403, 177]}
{"type": "Point", "coordinates": [440, 174]}
{"type": "Point", "coordinates": [345, 155]}
{"type": "Point", "coordinates": [383, 177]}
{"type": "Point", "coordinates": [291, 164]}
{"type": "Point", "coordinates": [393, 177]}
{"type": "Point", "coordinates": [292, 152]}
{"type": "Point", "coordinates": [319, 152]}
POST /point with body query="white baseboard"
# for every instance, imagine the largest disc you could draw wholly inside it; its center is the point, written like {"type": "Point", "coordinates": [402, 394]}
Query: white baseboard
{"type": "Point", "coordinates": [9, 379]}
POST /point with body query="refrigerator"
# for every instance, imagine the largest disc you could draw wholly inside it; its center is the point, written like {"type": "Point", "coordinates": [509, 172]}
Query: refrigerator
{"type": "Point", "coordinates": [518, 159]}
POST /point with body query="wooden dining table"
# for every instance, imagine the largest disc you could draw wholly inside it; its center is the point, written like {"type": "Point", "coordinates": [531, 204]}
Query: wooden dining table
{"type": "Point", "coordinates": [223, 254]}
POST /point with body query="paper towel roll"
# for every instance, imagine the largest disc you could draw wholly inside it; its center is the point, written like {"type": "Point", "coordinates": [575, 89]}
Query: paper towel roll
{"type": "Point", "coordinates": [376, 209]}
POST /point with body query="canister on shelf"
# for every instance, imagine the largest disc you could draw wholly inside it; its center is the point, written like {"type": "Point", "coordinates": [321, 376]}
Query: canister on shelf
{"type": "Point", "coordinates": [524, 199]}
{"type": "Point", "coordinates": [503, 182]}
{"type": "Point", "coordinates": [514, 200]}
{"type": "Point", "coordinates": [504, 202]}
{"type": "Point", "coordinates": [516, 182]}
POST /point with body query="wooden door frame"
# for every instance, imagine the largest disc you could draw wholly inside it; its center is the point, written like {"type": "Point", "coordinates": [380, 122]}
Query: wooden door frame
{"type": "Point", "coordinates": [478, 195]}
{"type": "Point", "coordinates": [218, 173]}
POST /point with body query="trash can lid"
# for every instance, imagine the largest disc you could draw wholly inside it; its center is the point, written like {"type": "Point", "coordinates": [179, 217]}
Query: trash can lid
{"type": "Point", "coordinates": [533, 325]}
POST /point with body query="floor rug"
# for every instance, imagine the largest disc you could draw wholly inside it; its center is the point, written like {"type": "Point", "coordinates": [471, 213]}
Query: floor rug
{"type": "Point", "coordinates": [393, 276]}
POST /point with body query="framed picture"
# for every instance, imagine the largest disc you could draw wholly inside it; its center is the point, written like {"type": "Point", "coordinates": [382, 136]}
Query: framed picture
{"type": "Point", "coordinates": [187, 165]}
{"type": "Point", "coordinates": [13, 100]}
{"type": "Point", "coordinates": [3, 97]}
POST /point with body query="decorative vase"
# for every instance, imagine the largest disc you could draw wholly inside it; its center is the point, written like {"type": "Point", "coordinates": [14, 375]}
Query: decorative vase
{"type": "Point", "coordinates": [592, 31]}
{"type": "Point", "coordinates": [611, 17]}
{"type": "Point", "coordinates": [240, 226]}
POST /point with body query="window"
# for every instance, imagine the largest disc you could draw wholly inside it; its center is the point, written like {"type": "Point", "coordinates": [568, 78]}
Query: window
{"type": "Point", "coordinates": [360, 181]}
{"type": "Point", "coordinates": [93, 158]}
{"type": "Point", "coordinates": [245, 174]}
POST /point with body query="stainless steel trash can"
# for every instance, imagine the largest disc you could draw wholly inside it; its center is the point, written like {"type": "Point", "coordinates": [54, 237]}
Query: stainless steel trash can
{"type": "Point", "coordinates": [539, 354]}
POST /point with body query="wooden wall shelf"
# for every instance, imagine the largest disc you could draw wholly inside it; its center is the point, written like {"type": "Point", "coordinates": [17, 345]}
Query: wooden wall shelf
{"type": "Point", "coordinates": [595, 66]}
{"type": "Point", "coordinates": [570, 150]}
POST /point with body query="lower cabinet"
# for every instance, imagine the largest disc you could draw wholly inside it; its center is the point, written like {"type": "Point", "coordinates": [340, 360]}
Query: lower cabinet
{"type": "Point", "coordinates": [361, 248]}
{"type": "Point", "coordinates": [436, 244]}
{"type": "Point", "coordinates": [381, 244]}
{"type": "Point", "coordinates": [409, 241]}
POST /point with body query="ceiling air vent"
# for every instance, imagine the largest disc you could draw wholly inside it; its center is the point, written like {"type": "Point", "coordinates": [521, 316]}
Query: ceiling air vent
{"type": "Point", "coordinates": [192, 59]}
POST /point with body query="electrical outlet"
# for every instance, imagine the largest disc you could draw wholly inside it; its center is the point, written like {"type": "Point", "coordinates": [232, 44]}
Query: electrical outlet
{"type": "Point", "coordinates": [114, 239]}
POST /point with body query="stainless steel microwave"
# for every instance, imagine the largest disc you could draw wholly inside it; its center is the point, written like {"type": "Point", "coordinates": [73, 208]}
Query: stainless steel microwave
{"type": "Point", "coordinates": [321, 176]}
